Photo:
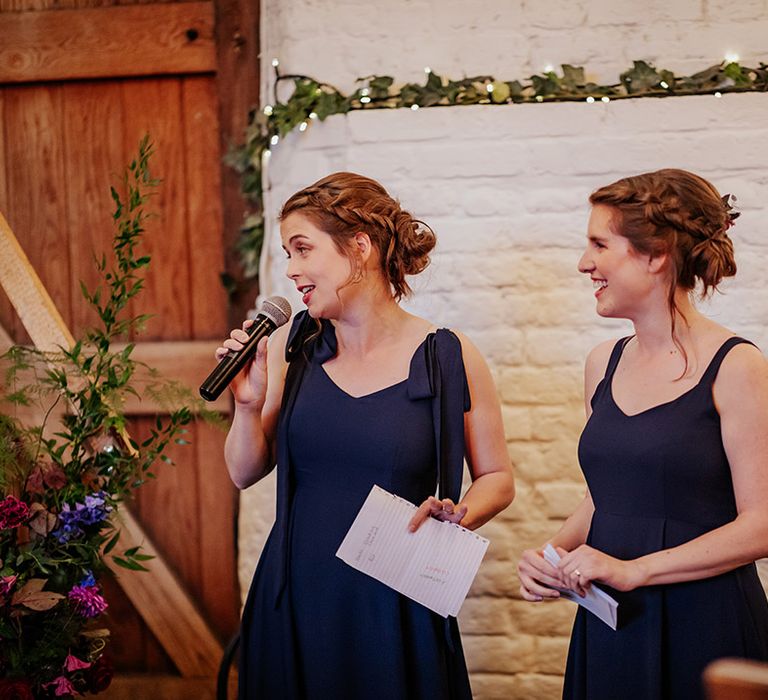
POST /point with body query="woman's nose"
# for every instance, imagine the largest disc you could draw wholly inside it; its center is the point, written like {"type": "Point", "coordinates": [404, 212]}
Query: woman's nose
{"type": "Point", "coordinates": [585, 263]}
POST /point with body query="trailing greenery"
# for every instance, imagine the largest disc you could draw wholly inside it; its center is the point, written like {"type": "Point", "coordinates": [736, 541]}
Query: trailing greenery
{"type": "Point", "coordinates": [58, 492]}
{"type": "Point", "coordinates": [314, 100]}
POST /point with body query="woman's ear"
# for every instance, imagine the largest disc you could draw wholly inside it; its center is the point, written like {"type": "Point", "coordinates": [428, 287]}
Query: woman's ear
{"type": "Point", "coordinates": [362, 244]}
{"type": "Point", "coordinates": [658, 263]}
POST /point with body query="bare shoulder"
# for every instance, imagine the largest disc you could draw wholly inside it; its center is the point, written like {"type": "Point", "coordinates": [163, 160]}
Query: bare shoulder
{"type": "Point", "coordinates": [470, 352]}
{"type": "Point", "coordinates": [744, 371]}
{"type": "Point", "coordinates": [597, 359]}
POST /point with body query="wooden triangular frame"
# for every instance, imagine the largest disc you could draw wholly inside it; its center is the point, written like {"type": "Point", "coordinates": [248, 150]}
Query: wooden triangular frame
{"type": "Point", "coordinates": [158, 595]}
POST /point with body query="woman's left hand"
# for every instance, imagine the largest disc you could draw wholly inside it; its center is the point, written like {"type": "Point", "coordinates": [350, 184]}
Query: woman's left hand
{"type": "Point", "coordinates": [585, 564]}
{"type": "Point", "coordinates": [435, 508]}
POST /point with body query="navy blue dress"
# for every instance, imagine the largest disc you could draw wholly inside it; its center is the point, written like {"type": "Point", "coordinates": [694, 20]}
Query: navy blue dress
{"type": "Point", "coordinates": [659, 479]}
{"type": "Point", "coordinates": [314, 627]}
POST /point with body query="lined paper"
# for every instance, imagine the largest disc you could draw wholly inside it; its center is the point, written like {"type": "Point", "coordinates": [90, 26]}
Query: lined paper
{"type": "Point", "coordinates": [434, 566]}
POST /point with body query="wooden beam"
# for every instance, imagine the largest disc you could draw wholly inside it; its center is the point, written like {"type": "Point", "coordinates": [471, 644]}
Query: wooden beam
{"type": "Point", "coordinates": [120, 41]}
{"type": "Point", "coordinates": [166, 607]}
{"type": "Point", "coordinates": [157, 594]}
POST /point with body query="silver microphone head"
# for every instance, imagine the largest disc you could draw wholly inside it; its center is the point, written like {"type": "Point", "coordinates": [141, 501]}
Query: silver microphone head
{"type": "Point", "coordinates": [276, 309]}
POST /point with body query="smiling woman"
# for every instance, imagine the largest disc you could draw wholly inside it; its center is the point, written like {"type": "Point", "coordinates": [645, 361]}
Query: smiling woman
{"type": "Point", "coordinates": [358, 392]}
{"type": "Point", "coordinates": [675, 454]}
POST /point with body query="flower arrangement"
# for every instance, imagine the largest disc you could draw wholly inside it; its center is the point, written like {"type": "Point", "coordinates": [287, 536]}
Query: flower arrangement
{"type": "Point", "coordinates": [57, 492]}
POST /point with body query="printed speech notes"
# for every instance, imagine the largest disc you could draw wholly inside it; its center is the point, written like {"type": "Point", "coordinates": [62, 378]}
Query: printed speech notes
{"type": "Point", "coordinates": [597, 601]}
{"type": "Point", "coordinates": [434, 566]}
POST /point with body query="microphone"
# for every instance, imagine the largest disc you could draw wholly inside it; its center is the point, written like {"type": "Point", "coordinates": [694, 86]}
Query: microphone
{"type": "Point", "coordinates": [274, 312]}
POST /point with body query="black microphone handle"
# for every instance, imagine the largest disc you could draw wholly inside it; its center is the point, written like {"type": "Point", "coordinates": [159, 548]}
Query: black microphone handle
{"type": "Point", "coordinates": [232, 364]}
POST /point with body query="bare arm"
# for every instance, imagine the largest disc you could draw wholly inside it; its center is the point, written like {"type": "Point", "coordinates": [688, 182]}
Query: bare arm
{"type": "Point", "coordinates": [741, 397]}
{"type": "Point", "coordinates": [258, 391]}
{"type": "Point", "coordinates": [493, 485]}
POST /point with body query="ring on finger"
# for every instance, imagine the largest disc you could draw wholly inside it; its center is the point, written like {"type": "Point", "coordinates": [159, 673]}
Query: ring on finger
{"type": "Point", "coordinates": [577, 572]}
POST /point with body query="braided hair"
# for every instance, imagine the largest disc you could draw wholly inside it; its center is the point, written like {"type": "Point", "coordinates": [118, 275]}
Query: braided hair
{"type": "Point", "coordinates": [344, 204]}
{"type": "Point", "coordinates": [679, 214]}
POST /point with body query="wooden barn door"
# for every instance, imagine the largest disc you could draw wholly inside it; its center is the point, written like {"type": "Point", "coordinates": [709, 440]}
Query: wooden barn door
{"type": "Point", "coordinates": [81, 82]}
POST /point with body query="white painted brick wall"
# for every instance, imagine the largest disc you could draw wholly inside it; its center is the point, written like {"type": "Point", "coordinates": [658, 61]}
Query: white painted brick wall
{"type": "Point", "coordinates": [506, 189]}
{"type": "Point", "coordinates": [339, 41]}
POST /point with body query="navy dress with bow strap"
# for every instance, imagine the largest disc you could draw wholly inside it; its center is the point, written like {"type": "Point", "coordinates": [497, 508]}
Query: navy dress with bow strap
{"type": "Point", "coordinates": [313, 627]}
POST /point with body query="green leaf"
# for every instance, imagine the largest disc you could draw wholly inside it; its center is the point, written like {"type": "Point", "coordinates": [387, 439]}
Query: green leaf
{"type": "Point", "coordinates": [112, 542]}
{"type": "Point", "coordinates": [129, 564]}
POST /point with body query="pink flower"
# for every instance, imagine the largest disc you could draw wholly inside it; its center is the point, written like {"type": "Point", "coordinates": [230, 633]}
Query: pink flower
{"type": "Point", "coordinates": [6, 584]}
{"type": "Point", "coordinates": [72, 663]}
{"type": "Point", "coordinates": [87, 600]}
{"type": "Point", "coordinates": [62, 686]}
{"type": "Point", "coordinates": [13, 512]}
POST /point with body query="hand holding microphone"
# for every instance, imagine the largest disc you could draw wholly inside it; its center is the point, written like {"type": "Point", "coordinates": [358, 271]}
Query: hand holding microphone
{"type": "Point", "coordinates": [274, 312]}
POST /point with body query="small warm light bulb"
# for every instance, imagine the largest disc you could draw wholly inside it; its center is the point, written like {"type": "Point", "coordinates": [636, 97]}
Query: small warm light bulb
{"type": "Point", "coordinates": [590, 99]}
{"type": "Point", "coordinates": [364, 92]}
{"type": "Point", "coordinates": [539, 98]}
{"type": "Point", "coordinates": [274, 140]}
{"type": "Point", "coordinates": [664, 84]}
{"type": "Point", "coordinates": [731, 57]}
{"type": "Point", "coordinates": [549, 68]}
{"type": "Point", "coordinates": [427, 70]}
{"type": "Point", "coordinates": [275, 63]}
{"type": "Point", "coordinates": [489, 87]}
{"type": "Point", "coordinates": [267, 154]}
{"type": "Point", "coordinates": [303, 126]}
{"type": "Point", "coordinates": [605, 98]}
{"type": "Point", "coordinates": [268, 110]}
{"type": "Point", "coordinates": [414, 107]}
{"type": "Point", "coordinates": [313, 115]}
{"type": "Point", "coordinates": [718, 94]}
{"type": "Point", "coordinates": [365, 100]}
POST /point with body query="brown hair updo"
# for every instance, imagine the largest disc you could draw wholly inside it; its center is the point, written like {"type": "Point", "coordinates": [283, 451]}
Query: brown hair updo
{"type": "Point", "coordinates": [680, 214]}
{"type": "Point", "coordinates": [344, 204]}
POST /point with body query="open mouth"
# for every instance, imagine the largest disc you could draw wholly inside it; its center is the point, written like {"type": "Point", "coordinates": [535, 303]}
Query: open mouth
{"type": "Point", "coordinates": [306, 291]}
{"type": "Point", "coordinates": [599, 285]}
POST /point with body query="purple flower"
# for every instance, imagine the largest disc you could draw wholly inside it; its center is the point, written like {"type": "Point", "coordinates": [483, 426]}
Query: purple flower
{"type": "Point", "coordinates": [88, 580]}
{"type": "Point", "coordinates": [87, 600]}
{"type": "Point", "coordinates": [73, 520]}
{"type": "Point", "coordinates": [13, 513]}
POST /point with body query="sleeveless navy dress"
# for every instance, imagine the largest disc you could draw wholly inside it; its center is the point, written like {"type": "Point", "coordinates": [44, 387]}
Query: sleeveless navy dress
{"type": "Point", "coordinates": [659, 479]}
{"type": "Point", "coordinates": [314, 627]}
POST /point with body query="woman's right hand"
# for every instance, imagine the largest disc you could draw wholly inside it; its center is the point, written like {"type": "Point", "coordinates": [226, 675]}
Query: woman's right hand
{"type": "Point", "coordinates": [249, 387]}
{"type": "Point", "coordinates": [538, 578]}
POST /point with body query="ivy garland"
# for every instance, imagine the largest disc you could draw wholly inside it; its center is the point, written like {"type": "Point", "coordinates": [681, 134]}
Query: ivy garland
{"type": "Point", "coordinates": [313, 100]}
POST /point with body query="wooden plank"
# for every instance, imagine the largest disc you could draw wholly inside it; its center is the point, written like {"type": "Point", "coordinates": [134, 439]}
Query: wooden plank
{"type": "Point", "coordinates": [166, 607]}
{"type": "Point", "coordinates": [186, 361]}
{"type": "Point", "coordinates": [163, 687]}
{"type": "Point", "coordinates": [35, 172]}
{"type": "Point", "coordinates": [238, 79]}
{"type": "Point", "coordinates": [8, 318]}
{"type": "Point", "coordinates": [92, 118]}
{"type": "Point", "coordinates": [203, 204]}
{"type": "Point", "coordinates": [29, 297]}
{"type": "Point", "coordinates": [218, 499]}
{"type": "Point", "coordinates": [161, 600]}
{"type": "Point", "coordinates": [155, 108]}
{"type": "Point", "coordinates": [110, 42]}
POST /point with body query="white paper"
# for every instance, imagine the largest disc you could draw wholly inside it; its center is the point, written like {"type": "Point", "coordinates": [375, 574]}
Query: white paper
{"type": "Point", "coordinates": [434, 566]}
{"type": "Point", "coordinates": [597, 601]}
